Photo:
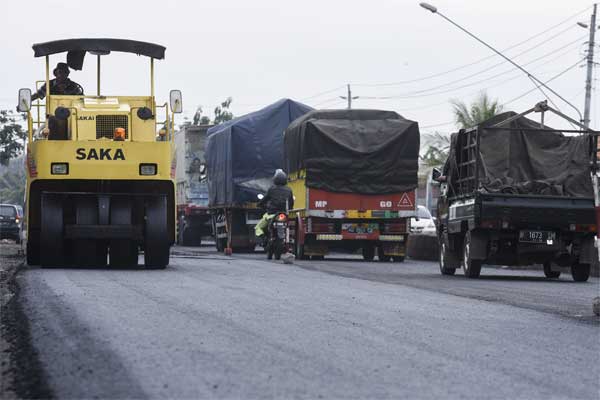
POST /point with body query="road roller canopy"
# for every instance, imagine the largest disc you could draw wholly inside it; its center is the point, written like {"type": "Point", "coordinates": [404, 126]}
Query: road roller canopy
{"type": "Point", "coordinates": [77, 48]}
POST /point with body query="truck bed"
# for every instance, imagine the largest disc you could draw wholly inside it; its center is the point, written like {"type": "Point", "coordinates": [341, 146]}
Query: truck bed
{"type": "Point", "coordinates": [491, 210]}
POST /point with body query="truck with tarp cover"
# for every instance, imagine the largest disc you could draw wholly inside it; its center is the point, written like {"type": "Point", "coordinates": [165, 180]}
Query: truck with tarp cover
{"type": "Point", "coordinates": [193, 217]}
{"type": "Point", "coordinates": [242, 155]}
{"type": "Point", "coordinates": [517, 192]}
{"type": "Point", "coordinates": [354, 175]}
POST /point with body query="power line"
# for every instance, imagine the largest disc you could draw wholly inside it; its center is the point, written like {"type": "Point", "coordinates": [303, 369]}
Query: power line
{"type": "Point", "coordinates": [423, 92]}
{"type": "Point", "coordinates": [328, 101]}
{"type": "Point", "coordinates": [480, 60]}
{"type": "Point", "coordinates": [546, 82]}
{"type": "Point", "coordinates": [322, 93]}
{"type": "Point", "coordinates": [516, 98]}
{"type": "Point", "coordinates": [437, 125]}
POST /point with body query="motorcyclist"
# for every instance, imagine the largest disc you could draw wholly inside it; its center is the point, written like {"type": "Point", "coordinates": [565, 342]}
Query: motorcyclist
{"type": "Point", "coordinates": [279, 198]}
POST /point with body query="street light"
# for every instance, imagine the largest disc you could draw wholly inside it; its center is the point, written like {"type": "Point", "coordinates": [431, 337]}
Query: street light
{"type": "Point", "coordinates": [429, 7]}
{"type": "Point", "coordinates": [535, 80]}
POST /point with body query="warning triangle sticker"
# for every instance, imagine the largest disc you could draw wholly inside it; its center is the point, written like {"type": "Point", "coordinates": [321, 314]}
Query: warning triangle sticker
{"type": "Point", "coordinates": [405, 201]}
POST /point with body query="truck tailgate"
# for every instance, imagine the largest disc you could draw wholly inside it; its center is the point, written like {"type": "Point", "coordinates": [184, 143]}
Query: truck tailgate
{"type": "Point", "coordinates": [378, 206]}
{"type": "Point", "coordinates": [541, 211]}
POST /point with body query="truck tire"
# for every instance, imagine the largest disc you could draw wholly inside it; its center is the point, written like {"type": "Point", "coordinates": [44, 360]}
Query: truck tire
{"type": "Point", "coordinates": [190, 237]}
{"type": "Point", "coordinates": [548, 271]}
{"type": "Point", "coordinates": [156, 238]}
{"type": "Point", "coordinates": [448, 262]}
{"type": "Point", "coordinates": [381, 255]}
{"type": "Point", "coordinates": [471, 268]}
{"type": "Point", "coordinates": [580, 272]}
{"type": "Point", "coordinates": [398, 259]}
{"type": "Point", "coordinates": [368, 253]}
{"type": "Point", "coordinates": [299, 250]}
{"type": "Point", "coordinates": [51, 235]}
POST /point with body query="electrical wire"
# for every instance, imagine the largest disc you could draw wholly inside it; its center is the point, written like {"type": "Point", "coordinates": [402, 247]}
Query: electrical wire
{"type": "Point", "coordinates": [423, 92]}
{"type": "Point", "coordinates": [480, 60]}
{"type": "Point", "coordinates": [328, 101]}
{"type": "Point", "coordinates": [546, 82]}
{"type": "Point", "coordinates": [516, 98]}
{"type": "Point", "coordinates": [323, 93]}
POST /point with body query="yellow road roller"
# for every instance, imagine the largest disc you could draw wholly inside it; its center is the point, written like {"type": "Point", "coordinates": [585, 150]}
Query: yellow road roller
{"type": "Point", "coordinates": [100, 168]}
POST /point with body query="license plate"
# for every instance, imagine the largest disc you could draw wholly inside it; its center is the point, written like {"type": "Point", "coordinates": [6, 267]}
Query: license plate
{"type": "Point", "coordinates": [545, 237]}
{"type": "Point", "coordinates": [360, 228]}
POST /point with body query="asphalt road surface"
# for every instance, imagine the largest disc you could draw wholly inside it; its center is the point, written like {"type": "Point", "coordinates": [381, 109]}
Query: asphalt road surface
{"type": "Point", "coordinates": [211, 326]}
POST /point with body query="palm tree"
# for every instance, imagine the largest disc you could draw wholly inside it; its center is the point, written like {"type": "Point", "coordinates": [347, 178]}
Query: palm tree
{"type": "Point", "coordinates": [481, 109]}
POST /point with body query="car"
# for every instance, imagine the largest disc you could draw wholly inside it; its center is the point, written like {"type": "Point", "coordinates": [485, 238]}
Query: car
{"type": "Point", "coordinates": [424, 224]}
{"type": "Point", "coordinates": [11, 222]}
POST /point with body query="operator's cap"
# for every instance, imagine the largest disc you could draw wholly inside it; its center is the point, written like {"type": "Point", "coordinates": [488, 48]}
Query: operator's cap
{"type": "Point", "coordinates": [61, 66]}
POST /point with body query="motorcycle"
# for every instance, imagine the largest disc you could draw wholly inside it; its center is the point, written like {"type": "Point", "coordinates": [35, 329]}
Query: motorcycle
{"type": "Point", "coordinates": [277, 235]}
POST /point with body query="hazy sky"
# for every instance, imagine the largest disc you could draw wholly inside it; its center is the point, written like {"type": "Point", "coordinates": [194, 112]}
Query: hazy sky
{"type": "Point", "coordinates": [260, 51]}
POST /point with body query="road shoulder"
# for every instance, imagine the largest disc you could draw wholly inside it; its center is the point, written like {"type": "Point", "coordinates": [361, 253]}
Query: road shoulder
{"type": "Point", "coordinates": [21, 376]}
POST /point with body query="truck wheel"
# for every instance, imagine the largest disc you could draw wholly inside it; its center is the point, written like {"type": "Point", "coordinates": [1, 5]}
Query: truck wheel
{"type": "Point", "coordinates": [51, 235]}
{"type": "Point", "coordinates": [299, 250]}
{"type": "Point", "coordinates": [368, 253]}
{"type": "Point", "coordinates": [123, 252]}
{"type": "Point", "coordinates": [447, 261]}
{"type": "Point", "coordinates": [471, 268]}
{"type": "Point", "coordinates": [88, 252]}
{"type": "Point", "coordinates": [156, 237]}
{"type": "Point", "coordinates": [548, 271]}
{"type": "Point", "coordinates": [398, 259]}
{"type": "Point", "coordinates": [580, 272]}
{"type": "Point", "coordinates": [381, 255]}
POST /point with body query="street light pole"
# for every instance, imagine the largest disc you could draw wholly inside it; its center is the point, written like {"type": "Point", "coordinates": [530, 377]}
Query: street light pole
{"type": "Point", "coordinates": [538, 82]}
{"type": "Point", "coordinates": [590, 68]}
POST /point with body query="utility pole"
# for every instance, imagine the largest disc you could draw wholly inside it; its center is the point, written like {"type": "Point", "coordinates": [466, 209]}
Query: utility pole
{"type": "Point", "coordinates": [590, 69]}
{"type": "Point", "coordinates": [349, 97]}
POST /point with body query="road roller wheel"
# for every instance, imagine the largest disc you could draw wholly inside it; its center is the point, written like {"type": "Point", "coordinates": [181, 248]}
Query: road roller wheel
{"type": "Point", "coordinates": [156, 236]}
{"type": "Point", "coordinates": [51, 235]}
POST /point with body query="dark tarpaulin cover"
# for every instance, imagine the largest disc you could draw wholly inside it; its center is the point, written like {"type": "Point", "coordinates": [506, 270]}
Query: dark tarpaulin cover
{"type": "Point", "coordinates": [528, 160]}
{"type": "Point", "coordinates": [354, 151]}
{"type": "Point", "coordinates": [242, 154]}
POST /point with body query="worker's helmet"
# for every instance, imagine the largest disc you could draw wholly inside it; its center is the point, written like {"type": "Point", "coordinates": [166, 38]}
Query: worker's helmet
{"type": "Point", "coordinates": [280, 177]}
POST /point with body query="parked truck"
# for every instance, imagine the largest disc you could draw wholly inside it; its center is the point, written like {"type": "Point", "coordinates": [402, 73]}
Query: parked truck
{"type": "Point", "coordinates": [193, 216]}
{"type": "Point", "coordinates": [354, 175]}
{"type": "Point", "coordinates": [242, 155]}
{"type": "Point", "coordinates": [516, 192]}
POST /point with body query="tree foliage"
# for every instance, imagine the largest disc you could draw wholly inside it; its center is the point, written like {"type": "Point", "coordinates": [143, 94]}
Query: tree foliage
{"type": "Point", "coordinates": [200, 119]}
{"type": "Point", "coordinates": [481, 109]}
{"type": "Point", "coordinates": [222, 114]}
{"type": "Point", "coordinates": [438, 146]}
{"type": "Point", "coordinates": [12, 182]}
{"type": "Point", "coordinates": [12, 136]}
